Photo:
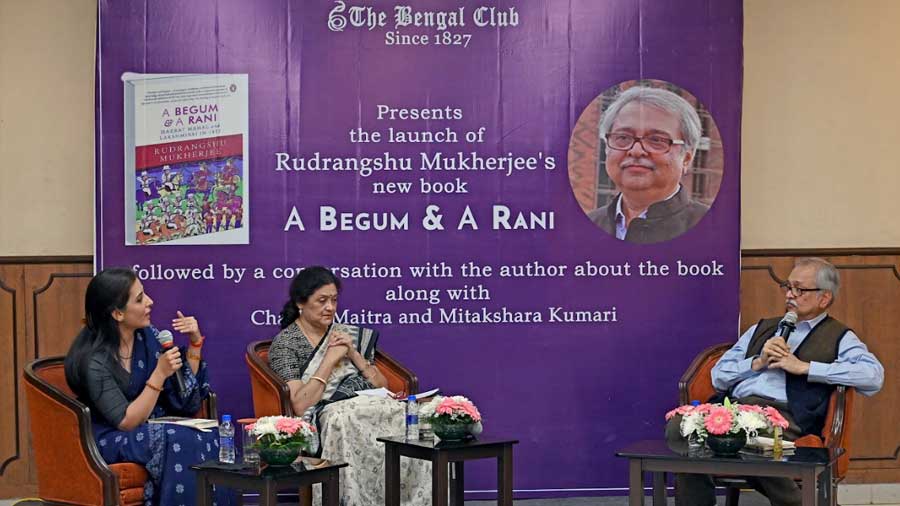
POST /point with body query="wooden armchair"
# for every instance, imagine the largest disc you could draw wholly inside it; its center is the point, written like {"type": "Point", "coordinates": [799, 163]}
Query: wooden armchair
{"type": "Point", "coordinates": [272, 397]}
{"type": "Point", "coordinates": [70, 469]}
{"type": "Point", "coordinates": [696, 383]}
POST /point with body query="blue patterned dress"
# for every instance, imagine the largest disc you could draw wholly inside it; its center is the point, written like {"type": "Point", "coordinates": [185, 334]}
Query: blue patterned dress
{"type": "Point", "coordinates": [166, 450]}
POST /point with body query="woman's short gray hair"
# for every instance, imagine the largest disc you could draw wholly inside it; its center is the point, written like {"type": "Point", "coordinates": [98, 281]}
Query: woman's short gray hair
{"type": "Point", "coordinates": [691, 128]}
{"type": "Point", "coordinates": [827, 277]}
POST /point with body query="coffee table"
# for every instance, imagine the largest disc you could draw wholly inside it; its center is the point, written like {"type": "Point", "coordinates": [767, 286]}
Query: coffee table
{"type": "Point", "coordinates": [267, 480]}
{"type": "Point", "coordinates": [657, 457]}
{"type": "Point", "coordinates": [443, 454]}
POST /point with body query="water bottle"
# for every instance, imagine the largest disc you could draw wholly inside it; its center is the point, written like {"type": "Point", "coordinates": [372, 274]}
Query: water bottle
{"type": "Point", "coordinates": [412, 419]}
{"type": "Point", "coordinates": [226, 440]}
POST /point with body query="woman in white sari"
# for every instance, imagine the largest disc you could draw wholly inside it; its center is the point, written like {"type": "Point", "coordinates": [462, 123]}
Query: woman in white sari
{"type": "Point", "coordinates": [324, 364]}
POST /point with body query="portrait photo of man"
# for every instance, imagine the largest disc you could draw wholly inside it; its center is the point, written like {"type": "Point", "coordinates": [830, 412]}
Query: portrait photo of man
{"type": "Point", "coordinates": [649, 185]}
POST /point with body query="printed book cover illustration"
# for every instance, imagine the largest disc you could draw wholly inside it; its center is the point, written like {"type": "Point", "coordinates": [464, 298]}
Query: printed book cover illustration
{"type": "Point", "coordinates": [186, 159]}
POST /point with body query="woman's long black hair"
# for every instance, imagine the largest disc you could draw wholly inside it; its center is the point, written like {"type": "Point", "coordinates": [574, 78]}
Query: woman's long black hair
{"type": "Point", "coordinates": [302, 287]}
{"type": "Point", "coordinates": [107, 291]}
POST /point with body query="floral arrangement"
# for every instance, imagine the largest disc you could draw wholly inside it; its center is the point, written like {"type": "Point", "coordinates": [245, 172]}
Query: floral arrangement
{"type": "Point", "coordinates": [282, 432]}
{"type": "Point", "coordinates": [727, 418]}
{"type": "Point", "coordinates": [456, 409]}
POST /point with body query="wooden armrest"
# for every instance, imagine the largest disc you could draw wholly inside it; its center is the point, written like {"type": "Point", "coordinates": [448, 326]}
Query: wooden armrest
{"type": "Point", "coordinates": [399, 378]}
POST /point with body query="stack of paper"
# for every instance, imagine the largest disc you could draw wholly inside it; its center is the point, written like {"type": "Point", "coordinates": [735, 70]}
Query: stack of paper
{"type": "Point", "coordinates": [201, 424]}
{"type": "Point", "coordinates": [384, 392]}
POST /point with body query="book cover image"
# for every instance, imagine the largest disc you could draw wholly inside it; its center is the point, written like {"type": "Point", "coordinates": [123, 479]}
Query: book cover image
{"type": "Point", "coordinates": [186, 159]}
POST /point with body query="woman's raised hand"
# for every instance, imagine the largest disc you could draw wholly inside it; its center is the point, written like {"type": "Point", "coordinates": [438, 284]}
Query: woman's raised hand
{"type": "Point", "coordinates": [187, 325]}
{"type": "Point", "coordinates": [169, 362]}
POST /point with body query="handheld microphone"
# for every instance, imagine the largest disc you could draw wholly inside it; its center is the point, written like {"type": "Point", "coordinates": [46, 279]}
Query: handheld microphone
{"type": "Point", "coordinates": [787, 325]}
{"type": "Point", "coordinates": [167, 341]}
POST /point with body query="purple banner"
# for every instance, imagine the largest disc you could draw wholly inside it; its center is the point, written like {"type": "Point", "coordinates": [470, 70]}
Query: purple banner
{"type": "Point", "coordinates": [449, 159]}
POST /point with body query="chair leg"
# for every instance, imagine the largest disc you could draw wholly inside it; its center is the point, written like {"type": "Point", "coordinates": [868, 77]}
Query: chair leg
{"type": "Point", "coordinates": [306, 495]}
{"type": "Point", "coordinates": [732, 495]}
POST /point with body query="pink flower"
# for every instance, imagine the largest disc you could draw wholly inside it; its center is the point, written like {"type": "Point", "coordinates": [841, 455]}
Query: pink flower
{"type": "Point", "coordinates": [450, 406]}
{"type": "Point", "coordinates": [719, 420]}
{"type": "Point", "coordinates": [680, 410]}
{"type": "Point", "coordinates": [289, 425]}
{"type": "Point", "coordinates": [750, 407]}
{"type": "Point", "coordinates": [775, 418]}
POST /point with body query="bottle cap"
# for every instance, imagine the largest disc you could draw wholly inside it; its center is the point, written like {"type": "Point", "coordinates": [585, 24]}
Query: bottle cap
{"type": "Point", "coordinates": [226, 418]}
{"type": "Point", "coordinates": [695, 402]}
{"type": "Point", "coordinates": [411, 398]}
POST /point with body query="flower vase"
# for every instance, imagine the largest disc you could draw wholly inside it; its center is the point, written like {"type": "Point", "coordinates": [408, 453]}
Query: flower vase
{"type": "Point", "coordinates": [279, 456]}
{"type": "Point", "coordinates": [450, 431]}
{"type": "Point", "coordinates": [726, 444]}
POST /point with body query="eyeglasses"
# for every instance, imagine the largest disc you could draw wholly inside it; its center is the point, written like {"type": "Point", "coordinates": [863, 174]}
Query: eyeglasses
{"type": "Point", "coordinates": [656, 144]}
{"type": "Point", "coordinates": [796, 291]}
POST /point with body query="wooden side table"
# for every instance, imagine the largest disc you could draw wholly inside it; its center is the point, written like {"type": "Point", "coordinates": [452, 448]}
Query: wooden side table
{"type": "Point", "coordinates": [268, 480]}
{"type": "Point", "coordinates": [811, 465]}
{"type": "Point", "coordinates": [443, 456]}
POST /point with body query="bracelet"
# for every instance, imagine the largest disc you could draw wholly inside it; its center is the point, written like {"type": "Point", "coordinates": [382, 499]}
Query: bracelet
{"type": "Point", "coordinates": [324, 384]}
{"type": "Point", "coordinates": [193, 355]}
{"type": "Point", "coordinates": [151, 386]}
{"type": "Point", "coordinates": [198, 344]}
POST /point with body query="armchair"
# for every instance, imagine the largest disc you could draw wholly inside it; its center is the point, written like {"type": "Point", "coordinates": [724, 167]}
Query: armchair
{"type": "Point", "coordinates": [272, 397]}
{"type": "Point", "coordinates": [69, 467]}
{"type": "Point", "coordinates": [696, 383]}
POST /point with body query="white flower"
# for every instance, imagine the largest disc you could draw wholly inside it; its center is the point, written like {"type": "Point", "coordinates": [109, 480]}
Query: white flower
{"type": "Point", "coordinates": [751, 422]}
{"type": "Point", "coordinates": [427, 409]}
{"type": "Point", "coordinates": [692, 424]}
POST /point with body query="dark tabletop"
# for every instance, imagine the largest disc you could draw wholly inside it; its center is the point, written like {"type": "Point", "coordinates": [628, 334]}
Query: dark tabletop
{"type": "Point", "coordinates": [661, 450]}
{"type": "Point", "coordinates": [265, 471]}
{"type": "Point", "coordinates": [480, 441]}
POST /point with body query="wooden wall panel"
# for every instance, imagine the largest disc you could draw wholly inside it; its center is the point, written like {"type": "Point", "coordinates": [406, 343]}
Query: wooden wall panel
{"type": "Point", "coordinates": [868, 303]}
{"type": "Point", "coordinates": [57, 303]}
{"type": "Point", "coordinates": [10, 351]}
{"type": "Point", "coordinates": [41, 303]}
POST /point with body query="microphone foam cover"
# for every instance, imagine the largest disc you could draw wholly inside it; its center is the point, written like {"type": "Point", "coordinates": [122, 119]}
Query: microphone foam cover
{"type": "Point", "coordinates": [165, 337]}
{"type": "Point", "coordinates": [789, 317]}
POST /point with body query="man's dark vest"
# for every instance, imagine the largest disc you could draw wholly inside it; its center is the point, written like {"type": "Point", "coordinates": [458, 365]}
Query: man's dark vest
{"type": "Point", "coordinates": [807, 401]}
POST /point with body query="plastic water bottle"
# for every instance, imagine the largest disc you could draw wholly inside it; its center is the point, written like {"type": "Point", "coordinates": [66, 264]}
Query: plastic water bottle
{"type": "Point", "coordinates": [412, 419]}
{"type": "Point", "coordinates": [226, 440]}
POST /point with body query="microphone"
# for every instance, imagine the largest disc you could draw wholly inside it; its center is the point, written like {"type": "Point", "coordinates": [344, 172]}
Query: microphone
{"type": "Point", "coordinates": [167, 341]}
{"type": "Point", "coordinates": [785, 326]}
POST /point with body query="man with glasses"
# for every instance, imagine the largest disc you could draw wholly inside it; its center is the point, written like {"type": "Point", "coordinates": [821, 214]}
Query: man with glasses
{"type": "Point", "coordinates": [796, 376]}
{"type": "Point", "coordinates": [650, 137]}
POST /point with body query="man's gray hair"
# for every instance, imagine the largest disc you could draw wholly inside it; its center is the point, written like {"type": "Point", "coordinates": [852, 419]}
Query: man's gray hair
{"type": "Point", "coordinates": [662, 99]}
{"type": "Point", "coordinates": [827, 277]}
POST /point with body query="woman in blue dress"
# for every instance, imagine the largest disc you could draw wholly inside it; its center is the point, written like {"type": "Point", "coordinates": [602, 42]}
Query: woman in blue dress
{"type": "Point", "coordinates": [123, 374]}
